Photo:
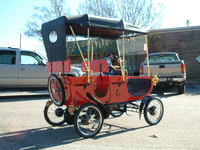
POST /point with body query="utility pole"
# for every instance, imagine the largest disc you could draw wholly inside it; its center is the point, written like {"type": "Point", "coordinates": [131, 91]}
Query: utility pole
{"type": "Point", "coordinates": [188, 22]}
{"type": "Point", "coordinates": [20, 42]}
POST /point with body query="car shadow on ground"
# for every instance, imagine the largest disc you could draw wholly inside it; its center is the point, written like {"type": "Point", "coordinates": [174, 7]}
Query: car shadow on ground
{"type": "Point", "coordinates": [190, 89]}
{"type": "Point", "coordinates": [47, 137]}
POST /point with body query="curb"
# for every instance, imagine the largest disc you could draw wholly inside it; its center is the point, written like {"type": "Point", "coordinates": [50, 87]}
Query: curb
{"type": "Point", "coordinates": [6, 94]}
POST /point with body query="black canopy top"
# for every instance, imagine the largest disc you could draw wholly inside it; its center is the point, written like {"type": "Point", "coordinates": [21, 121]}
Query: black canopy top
{"type": "Point", "coordinates": [99, 27]}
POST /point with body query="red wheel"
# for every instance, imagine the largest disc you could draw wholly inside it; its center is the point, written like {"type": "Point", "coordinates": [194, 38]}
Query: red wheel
{"type": "Point", "coordinates": [56, 90]}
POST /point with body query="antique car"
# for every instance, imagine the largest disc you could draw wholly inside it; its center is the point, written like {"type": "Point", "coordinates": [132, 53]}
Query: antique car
{"type": "Point", "coordinates": [85, 101]}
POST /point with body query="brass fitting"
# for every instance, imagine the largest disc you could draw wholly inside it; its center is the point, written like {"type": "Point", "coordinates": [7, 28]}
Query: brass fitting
{"type": "Point", "coordinates": [154, 79]}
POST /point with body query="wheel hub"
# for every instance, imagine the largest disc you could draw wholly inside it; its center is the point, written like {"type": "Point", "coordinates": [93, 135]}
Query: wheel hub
{"type": "Point", "coordinates": [152, 110]}
{"type": "Point", "coordinates": [56, 90]}
{"type": "Point", "coordinates": [59, 112]}
{"type": "Point", "coordinates": [90, 120]}
{"type": "Point", "coordinates": [86, 120]}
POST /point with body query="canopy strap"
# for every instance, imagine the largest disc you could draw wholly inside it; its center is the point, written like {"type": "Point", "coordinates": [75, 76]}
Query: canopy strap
{"type": "Point", "coordinates": [88, 70]}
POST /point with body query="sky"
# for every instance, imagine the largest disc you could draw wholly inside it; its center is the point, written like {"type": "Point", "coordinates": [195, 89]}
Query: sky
{"type": "Point", "coordinates": [15, 13]}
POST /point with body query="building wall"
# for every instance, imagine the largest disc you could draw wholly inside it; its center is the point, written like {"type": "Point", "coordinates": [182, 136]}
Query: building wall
{"type": "Point", "coordinates": [184, 41]}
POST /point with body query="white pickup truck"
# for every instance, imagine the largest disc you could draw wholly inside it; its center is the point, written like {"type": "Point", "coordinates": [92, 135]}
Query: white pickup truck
{"type": "Point", "coordinates": [23, 68]}
{"type": "Point", "coordinates": [171, 71]}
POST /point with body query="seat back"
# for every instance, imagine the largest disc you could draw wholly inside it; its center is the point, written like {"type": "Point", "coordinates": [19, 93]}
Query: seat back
{"type": "Point", "coordinates": [97, 66]}
{"type": "Point", "coordinates": [59, 66]}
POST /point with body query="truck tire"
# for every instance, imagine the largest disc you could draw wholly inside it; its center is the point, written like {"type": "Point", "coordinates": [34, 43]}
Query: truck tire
{"type": "Point", "coordinates": [181, 89]}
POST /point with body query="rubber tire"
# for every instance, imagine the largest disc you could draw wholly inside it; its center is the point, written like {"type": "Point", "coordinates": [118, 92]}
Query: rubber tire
{"type": "Point", "coordinates": [46, 108]}
{"type": "Point", "coordinates": [61, 88]}
{"type": "Point", "coordinates": [146, 111]}
{"type": "Point", "coordinates": [181, 89]}
{"type": "Point", "coordinates": [76, 117]}
{"type": "Point", "coordinates": [117, 114]}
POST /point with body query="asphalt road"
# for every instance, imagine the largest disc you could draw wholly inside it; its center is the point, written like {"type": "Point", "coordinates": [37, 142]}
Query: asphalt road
{"type": "Point", "coordinates": [22, 126]}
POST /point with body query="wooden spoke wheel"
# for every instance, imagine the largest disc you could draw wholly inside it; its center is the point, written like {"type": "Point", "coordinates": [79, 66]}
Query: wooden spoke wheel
{"type": "Point", "coordinates": [56, 90]}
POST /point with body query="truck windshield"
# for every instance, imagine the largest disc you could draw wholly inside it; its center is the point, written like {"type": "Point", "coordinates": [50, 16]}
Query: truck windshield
{"type": "Point", "coordinates": [162, 57]}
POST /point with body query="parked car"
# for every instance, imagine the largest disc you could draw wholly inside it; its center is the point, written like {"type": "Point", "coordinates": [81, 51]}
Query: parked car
{"type": "Point", "coordinates": [171, 71]}
{"type": "Point", "coordinates": [24, 68]}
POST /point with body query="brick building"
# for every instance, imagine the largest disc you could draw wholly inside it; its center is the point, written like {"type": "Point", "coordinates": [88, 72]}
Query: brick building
{"type": "Point", "coordinates": [184, 41]}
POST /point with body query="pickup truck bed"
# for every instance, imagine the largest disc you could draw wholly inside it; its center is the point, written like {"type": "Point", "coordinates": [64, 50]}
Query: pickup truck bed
{"type": "Point", "coordinates": [169, 69]}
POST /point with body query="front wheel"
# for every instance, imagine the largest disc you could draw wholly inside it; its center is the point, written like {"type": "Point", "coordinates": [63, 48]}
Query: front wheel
{"type": "Point", "coordinates": [54, 115]}
{"type": "Point", "coordinates": [88, 120]}
{"type": "Point", "coordinates": [153, 111]}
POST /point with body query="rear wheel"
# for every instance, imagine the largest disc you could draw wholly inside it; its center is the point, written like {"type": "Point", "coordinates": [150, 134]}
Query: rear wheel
{"type": "Point", "coordinates": [54, 115]}
{"type": "Point", "coordinates": [88, 120]}
{"type": "Point", "coordinates": [56, 90]}
{"type": "Point", "coordinates": [153, 111]}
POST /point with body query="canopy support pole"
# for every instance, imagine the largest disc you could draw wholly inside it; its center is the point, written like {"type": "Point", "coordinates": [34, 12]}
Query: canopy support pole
{"type": "Point", "coordinates": [88, 69]}
{"type": "Point", "coordinates": [118, 48]}
{"type": "Point", "coordinates": [92, 57]}
{"type": "Point", "coordinates": [120, 62]}
{"type": "Point", "coordinates": [123, 73]}
{"type": "Point", "coordinates": [147, 57]}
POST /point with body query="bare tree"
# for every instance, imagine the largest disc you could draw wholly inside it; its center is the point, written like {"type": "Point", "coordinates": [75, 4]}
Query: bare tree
{"type": "Point", "coordinates": [103, 8]}
{"type": "Point", "coordinates": [43, 14]}
{"type": "Point", "coordinates": [143, 13]}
